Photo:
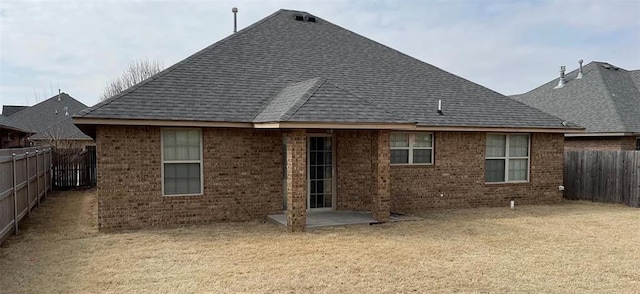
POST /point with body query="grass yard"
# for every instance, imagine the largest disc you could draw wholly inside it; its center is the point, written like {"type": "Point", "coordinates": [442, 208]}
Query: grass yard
{"type": "Point", "coordinates": [574, 247]}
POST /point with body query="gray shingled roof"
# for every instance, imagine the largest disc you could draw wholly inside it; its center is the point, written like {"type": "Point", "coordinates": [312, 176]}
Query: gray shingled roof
{"type": "Point", "coordinates": [315, 100]}
{"type": "Point", "coordinates": [266, 70]}
{"type": "Point", "coordinates": [6, 123]}
{"type": "Point", "coordinates": [606, 99]}
{"type": "Point", "coordinates": [51, 118]}
{"type": "Point", "coordinates": [8, 110]}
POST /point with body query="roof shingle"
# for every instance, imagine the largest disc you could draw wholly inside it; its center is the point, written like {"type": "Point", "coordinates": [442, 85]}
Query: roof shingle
{"type": "Point", "coordinates": [606, 99]}
{"type": "Point", "coordinates": [51, 118]}
{"type": "Point", "coordinates": [249, 75]}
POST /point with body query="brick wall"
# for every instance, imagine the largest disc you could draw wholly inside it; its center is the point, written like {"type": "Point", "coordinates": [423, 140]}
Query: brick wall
{"type": "Point", "coordinates": [242, 178]}
{"type": "Point", "coordinates": [354, 169]}
{"type": "Point", "coordinates": [296, 180]}
{"type": "Point", "coordinates": [600, 143]}
{"type": "Point", "coordinates": [458, 175]}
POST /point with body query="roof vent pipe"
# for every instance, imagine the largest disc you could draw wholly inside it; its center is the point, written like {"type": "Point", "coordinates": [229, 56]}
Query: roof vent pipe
{"type": "Point", "coordinates": [440, 107]}
{"type": "Point", "coordinates": [561, 81]}
{"type": "Point", "coordinates": [579, 70]}
{"type": "Point", "coordinates": [235, 19]}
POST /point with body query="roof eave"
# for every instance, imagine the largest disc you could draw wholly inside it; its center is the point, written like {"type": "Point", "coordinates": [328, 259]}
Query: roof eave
{"type": "Point", "coordinates": [603, 134]}
{"type": "Point", "coordinates": [86, 124]}
{"type": "Point", "coordinates": [336, 125]}
{"type": "Point", "coordinates": [501, 129]}
{"type": "Point", "coordinates": [17, 129]}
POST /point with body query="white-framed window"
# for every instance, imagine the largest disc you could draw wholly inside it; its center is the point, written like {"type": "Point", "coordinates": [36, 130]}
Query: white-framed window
{"type": "Point", "coordinates": [411, 148]}
{"type": "Point", "coordinates": [181, 162]}
{"type": "Point", "coordinates": [507, 158]}
{"type": "Point", "coordinates": [638, 143]}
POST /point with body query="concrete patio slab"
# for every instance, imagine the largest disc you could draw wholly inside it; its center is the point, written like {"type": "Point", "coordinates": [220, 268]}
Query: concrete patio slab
{"type": "Point", "coordinates": [330, 218]}
{"type": "Point", "coordinates": [339, 218]}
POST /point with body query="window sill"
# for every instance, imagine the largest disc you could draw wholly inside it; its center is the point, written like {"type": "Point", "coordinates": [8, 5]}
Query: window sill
{"type": "Point", "coordinates": [502, 183]}
{"type": "Point", "coordinates": [182, 195]}
{"type": "Point", "coordinates": [411, 164]}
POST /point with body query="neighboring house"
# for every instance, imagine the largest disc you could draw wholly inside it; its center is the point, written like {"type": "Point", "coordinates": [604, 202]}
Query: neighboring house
{"type": "Point", "coordinates": [8, 110]}
{"type": "Point", "coordinates": [295, 113]}
{"type": "Point", "coordinates": [605, 100]}
{"type": "Point", "coordinates": [51, 121]}
{"type": "Point", "coordinates": [12, 136]}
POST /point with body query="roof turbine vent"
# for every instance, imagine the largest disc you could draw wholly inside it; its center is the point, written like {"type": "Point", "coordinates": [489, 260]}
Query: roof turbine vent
{"type": "Point", "coordinates": [310, 18]}
{"type": "Point", "coordinates": [561, 81]}
{"type": "Point", "coordinates": [298, 17]}
{"type": "Point", "coordinates": [579, 70]}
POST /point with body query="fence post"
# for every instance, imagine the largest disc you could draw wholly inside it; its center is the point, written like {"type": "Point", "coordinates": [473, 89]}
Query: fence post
{"type": "Point", "coordinates": [28, 184]}
{"type": "Point", "coordinates": [44, 167]}
{"type": "Point", "coordinates": [15, 195]}
{"type": "Point", "coordinates": [37, 179]}
{"type": "Point", "coordinates": [51, 170]}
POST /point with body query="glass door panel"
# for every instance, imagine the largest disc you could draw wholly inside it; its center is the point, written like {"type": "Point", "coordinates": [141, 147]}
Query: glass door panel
{"type": "Point", "coordinates": [320, 172]}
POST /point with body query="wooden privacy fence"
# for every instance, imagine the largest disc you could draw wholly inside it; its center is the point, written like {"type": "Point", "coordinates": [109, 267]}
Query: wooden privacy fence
{"type": "Point", "coordinates": [25, 178]}
{"type": "Point", "coordinates": [603, 176]}
{"type": "Point", "coordinates": [74, 168]}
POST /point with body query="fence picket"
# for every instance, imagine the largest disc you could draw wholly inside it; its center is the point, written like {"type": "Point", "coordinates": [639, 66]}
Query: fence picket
{"type": "Point", "coordinates": [74, 168]}
{"type": "Point", "coordinates": [603, 176]}
{"type": "Point", "coordinates": [15, 180]}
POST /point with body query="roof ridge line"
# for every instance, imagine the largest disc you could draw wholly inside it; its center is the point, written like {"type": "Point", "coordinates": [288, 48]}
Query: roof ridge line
{"type": "Point", "coordinates": [26, 107]}
{"type": "Point", "coordinates": [616, 100]}
{"type": "Point", "coordinates": [174, 66]}
{"type": "Point", "coordinates": [401, 116]}
{"type": "Point", "coordinates": [312, 90]}
{"type": "Point", "coordinates": [607, 93]}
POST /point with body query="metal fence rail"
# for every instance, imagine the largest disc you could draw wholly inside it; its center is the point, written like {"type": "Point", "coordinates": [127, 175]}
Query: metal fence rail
{"type": "Point", "coordinates": [25, 178]}
{"type": "Point", "coordinates": [603, 176]}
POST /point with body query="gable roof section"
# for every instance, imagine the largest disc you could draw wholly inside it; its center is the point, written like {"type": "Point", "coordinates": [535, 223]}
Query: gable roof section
{"type": "Point", "coordinates": [51, 118]}
{"type": "Point", "coordinates": [605, 100]}
{"type": "Point", "coordinates": [288, 101]}
{"type": "Point", "coordinates": [251, 74]}
{"type": "Point", "coordinates": [317, 100]}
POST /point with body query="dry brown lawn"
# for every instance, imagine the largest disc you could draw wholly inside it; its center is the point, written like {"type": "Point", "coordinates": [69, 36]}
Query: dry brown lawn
{"type": "Point", "coordinates": [572, 247]}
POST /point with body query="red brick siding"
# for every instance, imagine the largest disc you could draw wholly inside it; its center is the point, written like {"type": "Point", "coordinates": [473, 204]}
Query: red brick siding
{"type": "Point", "coordinates": [380, 159]}
{"type": "Point", "coordinates": [242, 178]}
{"type": "Point", "coordinates": [600, 143]}
{"type": "Point", "coordinates": [296, 180]}
{"type": "Point", "coordinates": [458, 174]}
{"type": "Point", "coordinates": [354, 170]}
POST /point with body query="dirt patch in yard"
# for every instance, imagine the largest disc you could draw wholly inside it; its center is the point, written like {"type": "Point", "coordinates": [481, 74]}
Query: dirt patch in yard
{"type": "Point", "coordinates": [571, 247]}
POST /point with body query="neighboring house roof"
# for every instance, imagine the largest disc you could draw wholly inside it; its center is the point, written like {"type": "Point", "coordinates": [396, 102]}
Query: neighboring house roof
{"type": "Point", "coordinates": [6, 123]}
{"type": "Point", "coordinates": [8, 110]}
{"type": "Point", "coordinates": [605, 100]}
{"type": "Point", "coordinates": [284, 70]}
{"type": "Point", "coordinates": [51, 118]}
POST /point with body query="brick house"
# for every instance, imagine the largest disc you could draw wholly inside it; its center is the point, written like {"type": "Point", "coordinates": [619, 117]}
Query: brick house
{"type": "Point", "coordinates": [601, 97]}
{"type": "Point", "coordinates": [297, 114]}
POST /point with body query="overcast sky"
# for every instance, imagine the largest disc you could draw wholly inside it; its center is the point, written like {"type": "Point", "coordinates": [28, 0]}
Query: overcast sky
{"type": "Point", "coordinates": [508, 46]}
